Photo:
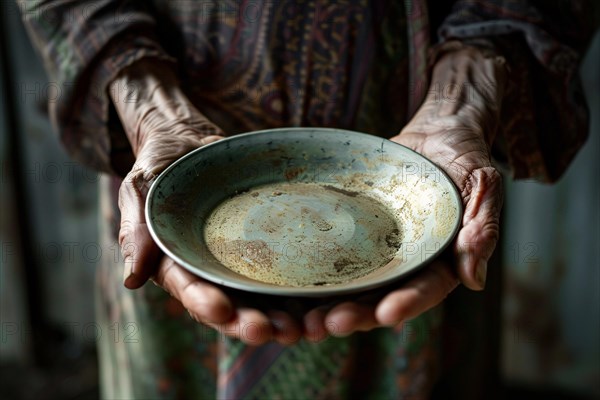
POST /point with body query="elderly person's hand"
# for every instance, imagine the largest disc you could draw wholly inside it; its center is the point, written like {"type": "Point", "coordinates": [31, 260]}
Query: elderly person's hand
{"type": "Point", "coordinates": [454, 128]}
{"type": "Point", "coordinates": [162, 125]}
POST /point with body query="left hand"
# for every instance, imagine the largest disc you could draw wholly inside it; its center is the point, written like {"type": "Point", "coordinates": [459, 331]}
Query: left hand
{"type": "Point", "coordinates": [456, 133]}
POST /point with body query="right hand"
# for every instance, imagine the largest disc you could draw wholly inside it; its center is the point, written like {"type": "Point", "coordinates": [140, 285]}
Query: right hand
{"type": "Point", "coordinates": [162, 125]}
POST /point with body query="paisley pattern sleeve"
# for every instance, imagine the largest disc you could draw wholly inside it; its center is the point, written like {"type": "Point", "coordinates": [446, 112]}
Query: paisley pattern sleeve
{"type": "Point", "coordinates": [544, 117]}
{"type": "Point", "coordinates": [84, 45]}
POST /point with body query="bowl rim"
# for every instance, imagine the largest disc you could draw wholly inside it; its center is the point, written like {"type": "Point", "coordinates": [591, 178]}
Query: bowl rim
{"type": "Point", "coordinates": [300, 291]}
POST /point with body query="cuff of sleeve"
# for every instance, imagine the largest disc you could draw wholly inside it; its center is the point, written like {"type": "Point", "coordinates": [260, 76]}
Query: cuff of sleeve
{"type": "Point", "coordinates": [484, 46]}
{"type": "Point", "coordinates": [91, 128]}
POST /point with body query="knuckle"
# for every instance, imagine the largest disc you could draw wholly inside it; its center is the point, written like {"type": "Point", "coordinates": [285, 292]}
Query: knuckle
{"type": "Point", "coordinates": [190, 290]}
{"type": "Point", "coordinates": [163, 278]}
{"type": "Point", "coordinates": [125, 232]}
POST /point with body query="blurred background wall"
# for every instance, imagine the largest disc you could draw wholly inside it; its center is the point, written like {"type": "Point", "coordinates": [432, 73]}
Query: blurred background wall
{"type": "Point", "coordinates": [49, 249]}
{"type": "Point", "coordinates": [551, 256]}
{"type": "Point", "coordinates": [48, 238]}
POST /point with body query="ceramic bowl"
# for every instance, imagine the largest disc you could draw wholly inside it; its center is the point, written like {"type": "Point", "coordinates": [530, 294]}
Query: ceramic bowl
{"type": "Point", "coordinates": [303, 211]}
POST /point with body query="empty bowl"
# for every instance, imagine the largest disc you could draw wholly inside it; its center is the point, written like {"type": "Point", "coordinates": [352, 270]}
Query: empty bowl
{"type": "Point", "coordinates": [303, 211]}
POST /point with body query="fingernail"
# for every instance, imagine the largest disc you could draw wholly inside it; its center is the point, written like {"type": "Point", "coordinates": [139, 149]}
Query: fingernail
{"type": "Point", "coordinates": [481, 273]}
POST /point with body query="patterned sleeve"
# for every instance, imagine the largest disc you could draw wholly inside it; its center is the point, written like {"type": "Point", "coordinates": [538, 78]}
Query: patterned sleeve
{"type": "Point", "coordinates": [544, 118]}
{"type": "Point", "coordinates": [84, 45]}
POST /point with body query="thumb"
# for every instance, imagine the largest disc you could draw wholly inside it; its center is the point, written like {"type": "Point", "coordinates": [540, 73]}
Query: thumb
{"type": "Point", "coordinates": [141, 255]}
{"type": "Point", "coordinates": [476, 241]}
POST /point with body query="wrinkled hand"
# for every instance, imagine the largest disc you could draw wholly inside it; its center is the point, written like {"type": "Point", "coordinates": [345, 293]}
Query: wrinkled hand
{"type": "Point", "coordinates": [454, 128]}
{"type": "Point", "coordinates": [162, 126]}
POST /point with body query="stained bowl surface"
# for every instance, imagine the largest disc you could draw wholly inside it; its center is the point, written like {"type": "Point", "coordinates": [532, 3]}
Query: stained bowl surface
{"type": "Point", "coordinates": [303, 211]}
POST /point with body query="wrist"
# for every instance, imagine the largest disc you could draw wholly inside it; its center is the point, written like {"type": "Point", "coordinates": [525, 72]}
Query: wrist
{"type": "Point", "coordinates": [136, 84]}
{"type": "Point", "coordinates": [143, 90]}
{"type": "Point", "coordinates": [156, 114]}
{"type": "Point", "coordinates": [469, 83]}
{"type": "Point", "coordinates": [477, 65]}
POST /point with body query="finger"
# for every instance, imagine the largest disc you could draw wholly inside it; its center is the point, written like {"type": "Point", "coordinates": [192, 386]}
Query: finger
{"type": "Point", "coordinates": [248, 325]}
{"type": "Point", "coordinates": [140, 253]}
{"type": "Point", "coordinates": [314, 325]}
{"type": "Point", "coordinates": [477, 239]}
{"type": "Point", "coordinates": [429, 288]}
{"type": "Point", "coordinates": [207, 304]}
{"type": "Point", "coordinates": [204, 301]}
{"type": "Point", "coordinates": [286, 330]}
{"type": "Point", "coordinates": [349, 317]}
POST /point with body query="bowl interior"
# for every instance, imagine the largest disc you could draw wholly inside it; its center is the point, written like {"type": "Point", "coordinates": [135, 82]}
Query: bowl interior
{"type": "Point", "coordinates": [303, 211]}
